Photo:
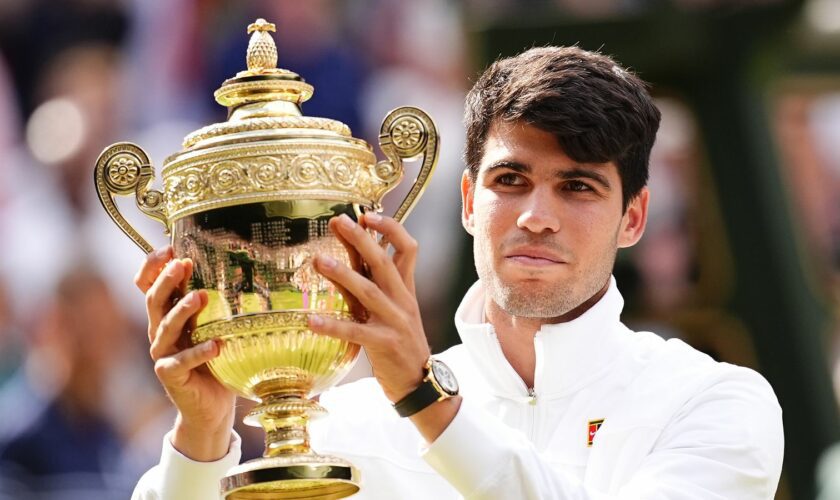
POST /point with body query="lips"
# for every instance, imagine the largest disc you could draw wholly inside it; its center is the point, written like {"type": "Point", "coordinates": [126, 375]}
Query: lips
{"type": "Point", "coordinates": [535, 256]}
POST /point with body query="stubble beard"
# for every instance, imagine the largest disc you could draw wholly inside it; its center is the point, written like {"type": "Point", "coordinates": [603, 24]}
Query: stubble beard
{"type": "Point", "coordinates": [539, 299]}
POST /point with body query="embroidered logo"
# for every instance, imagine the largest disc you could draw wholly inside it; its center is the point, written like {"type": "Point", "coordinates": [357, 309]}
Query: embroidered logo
{"type": "Point", "coordinates": [593, 427]}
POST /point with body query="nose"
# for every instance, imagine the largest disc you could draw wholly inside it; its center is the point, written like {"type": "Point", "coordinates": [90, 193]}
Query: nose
{"type": "Point", "coordinates": [539, 214]}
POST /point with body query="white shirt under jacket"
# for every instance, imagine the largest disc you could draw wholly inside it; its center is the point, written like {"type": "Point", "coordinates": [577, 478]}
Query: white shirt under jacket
{"type": "Point", "coordinates": [676, 424]}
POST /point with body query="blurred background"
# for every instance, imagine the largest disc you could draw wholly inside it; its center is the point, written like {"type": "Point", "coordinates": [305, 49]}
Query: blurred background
{"type": "Point", "coordinates": [741, 257]}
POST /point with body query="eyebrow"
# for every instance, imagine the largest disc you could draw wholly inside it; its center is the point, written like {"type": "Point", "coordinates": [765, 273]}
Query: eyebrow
{"type": "Point", "coordinates": [579, 172]}
{"type": "Point", "coordinates": [509, 165]}
{"type": "Point", "coordinates": [576, 172]}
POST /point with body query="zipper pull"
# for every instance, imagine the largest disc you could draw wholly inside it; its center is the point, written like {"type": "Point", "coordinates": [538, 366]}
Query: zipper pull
{"type": "Point", "coordinates": [533, 395]}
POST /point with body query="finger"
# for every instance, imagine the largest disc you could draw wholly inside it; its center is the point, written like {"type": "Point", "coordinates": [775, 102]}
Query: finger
{"type": "Point", "coordinates": [405, 246]}
{"type": "Point", "coordinates": [357, 310]}
{"type": "Point", "coordinates": [355, 333]}
{"type": "Point", "coordinates": [383, 241]}
{"type": "Point", "coordinates": [172, 325]}
{"type": "Point", "coordinates": [355, 259]}
{"type": "Point", "coordinates": [151, 267]}
{"type": "Point", "coordinates": [175, 370]}
{"type": "Point", "coordinates": [159, 295]}
{"type": "Point", "coordinates": [188, 270]}
{"type": "Point", "coordinates": [382, 269]}
{"type": "Point", "coordinates": [364, 290]}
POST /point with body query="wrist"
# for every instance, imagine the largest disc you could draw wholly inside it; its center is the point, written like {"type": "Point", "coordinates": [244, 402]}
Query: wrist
{"type": "Point", "coordinates": [397, 393]}
{"type": "Point", "coordinates": [438, 384]}
{"type": "Point", "coordinates": [434, 419]}
{"type": "Point", "coordinates": [202, 442]}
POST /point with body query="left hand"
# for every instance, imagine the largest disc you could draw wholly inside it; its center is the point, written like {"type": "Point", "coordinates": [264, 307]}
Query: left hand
{"type": "Point", "coordinates": [393, 336]}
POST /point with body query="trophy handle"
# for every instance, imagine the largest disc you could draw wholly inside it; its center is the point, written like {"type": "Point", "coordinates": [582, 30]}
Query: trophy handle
{"type": "Point", "coordinates": [122, 169]}
{"type": "Point", "coordinates": [408, 132]}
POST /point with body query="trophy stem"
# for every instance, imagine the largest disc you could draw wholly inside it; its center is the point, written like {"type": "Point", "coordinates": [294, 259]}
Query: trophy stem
{"type": "Point", "coordinates": [284, 418]}
{"type": "Point", "coordinates": [289, 469]}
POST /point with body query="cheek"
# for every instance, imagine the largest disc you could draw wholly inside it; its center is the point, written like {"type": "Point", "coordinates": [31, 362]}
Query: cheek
{"type": "Point", "coordinates": [588, 224]}
{"type": "Point", "coordinates": [600, 232]}
{"type": "Point", "coordinates": [490, 213]}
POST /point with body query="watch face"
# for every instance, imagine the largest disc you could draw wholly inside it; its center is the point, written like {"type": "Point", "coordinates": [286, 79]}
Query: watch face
{"type": "Point", "coordinates": [444, 377]}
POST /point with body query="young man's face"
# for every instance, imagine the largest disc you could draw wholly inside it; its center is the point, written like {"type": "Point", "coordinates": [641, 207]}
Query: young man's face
{"type": "Point", "coordinates": [546, 229]}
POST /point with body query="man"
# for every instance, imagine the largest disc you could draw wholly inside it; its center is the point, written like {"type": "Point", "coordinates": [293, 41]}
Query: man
{"type": "Point", "coordinates": [558, 399]}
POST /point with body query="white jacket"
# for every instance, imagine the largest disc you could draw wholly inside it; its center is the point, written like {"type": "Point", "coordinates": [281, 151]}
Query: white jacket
{"type": "Point", "coordinates": [676, 424]}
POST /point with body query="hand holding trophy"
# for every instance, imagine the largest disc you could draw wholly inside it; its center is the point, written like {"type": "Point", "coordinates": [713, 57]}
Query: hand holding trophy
{"type": "Point", "coordinates": [248, 202]}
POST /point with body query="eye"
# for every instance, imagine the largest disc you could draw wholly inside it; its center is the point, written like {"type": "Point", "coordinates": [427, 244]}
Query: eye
{"type": "Point", "coordinates": [510, 179]}
{"type": "Point", "coordinates": [577, 186]}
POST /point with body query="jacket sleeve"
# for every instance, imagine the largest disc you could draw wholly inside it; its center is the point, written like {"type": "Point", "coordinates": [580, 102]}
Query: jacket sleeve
{"type": "Point", "coordinates": [177, 477]}
{"type": "Point", "coordinates": [726, 442]}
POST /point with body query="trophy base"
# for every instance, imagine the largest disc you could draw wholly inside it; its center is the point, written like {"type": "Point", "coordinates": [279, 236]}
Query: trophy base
{"type": "Point", "coordinates": [291, 477]}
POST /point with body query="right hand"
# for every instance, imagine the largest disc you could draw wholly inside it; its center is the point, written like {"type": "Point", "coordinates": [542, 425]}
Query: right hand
{"type": "Point", "coordinates": [202, 431]}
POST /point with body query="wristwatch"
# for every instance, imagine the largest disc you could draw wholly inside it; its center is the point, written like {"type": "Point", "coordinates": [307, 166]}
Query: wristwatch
{"type": "Point", "coordinates": [438, 384]}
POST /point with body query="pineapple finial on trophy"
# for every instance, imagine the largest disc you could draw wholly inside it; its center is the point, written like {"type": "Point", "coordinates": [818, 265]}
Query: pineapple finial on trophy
{"type": "Point", "coordinates": [270, 89]}
{"type": "Point", "coordinates": [262, 52]}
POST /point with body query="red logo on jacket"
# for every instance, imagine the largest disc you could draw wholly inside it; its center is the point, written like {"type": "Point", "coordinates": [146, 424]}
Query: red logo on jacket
{"type": "Point", "coordinates": [594, 425]}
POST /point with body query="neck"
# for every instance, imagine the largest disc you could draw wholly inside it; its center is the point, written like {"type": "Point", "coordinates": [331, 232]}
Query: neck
{"type": "Point", "coordinates": [516, 333]}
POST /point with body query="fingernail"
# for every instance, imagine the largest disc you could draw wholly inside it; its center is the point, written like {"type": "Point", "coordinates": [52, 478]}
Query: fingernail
{"type": "Point", "coordinates": [316, 321]}
{"type": "Point", "coordinates": [373, 217]}
{"type": "Point", "coordinates": [174, 268]}
{"type": "Point", "coordinates": [327, 262]}
{"type": "Point", "coordinates": [208, 345]}
{"type": "Point", "coordinates": [191, 298]}
{"type": "Point", "coordinates": [163, 251]}
{"type": "Point", "coordinates": [345, 221]}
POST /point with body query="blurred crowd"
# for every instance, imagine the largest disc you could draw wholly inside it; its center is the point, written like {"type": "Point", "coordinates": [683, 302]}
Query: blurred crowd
{"type": "Point", "coordinates": [81, 414]}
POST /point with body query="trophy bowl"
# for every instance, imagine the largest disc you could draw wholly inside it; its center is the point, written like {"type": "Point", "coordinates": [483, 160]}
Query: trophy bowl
{"type": "Point", "coordinates": [248, 200]}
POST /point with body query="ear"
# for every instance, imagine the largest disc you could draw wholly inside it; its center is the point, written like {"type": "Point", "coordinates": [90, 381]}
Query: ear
{"type": "Point", "coordinates": [467, 193]}
{"type": "Point", "coordinates": [634, 220]}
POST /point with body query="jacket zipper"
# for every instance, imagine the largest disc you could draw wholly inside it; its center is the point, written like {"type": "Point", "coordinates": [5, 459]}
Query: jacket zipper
{"type": "Point", "coordinates": [531, 393]}
{"type": "Point", "coordinates": [532, 409]}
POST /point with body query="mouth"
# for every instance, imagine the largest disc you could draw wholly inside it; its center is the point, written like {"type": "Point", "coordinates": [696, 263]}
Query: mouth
{"type": "Point", "coordinates": [534, 257]}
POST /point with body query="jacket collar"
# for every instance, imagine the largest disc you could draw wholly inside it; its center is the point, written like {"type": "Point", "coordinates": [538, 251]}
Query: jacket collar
{"type": "Point", "coordinates": [570, 355]}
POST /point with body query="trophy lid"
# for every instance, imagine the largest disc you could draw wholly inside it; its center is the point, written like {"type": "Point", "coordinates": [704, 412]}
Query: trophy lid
{"type": "Point", "coordinates": [268, 150]}
{"type": "Point", "coordinates": [264, 98]}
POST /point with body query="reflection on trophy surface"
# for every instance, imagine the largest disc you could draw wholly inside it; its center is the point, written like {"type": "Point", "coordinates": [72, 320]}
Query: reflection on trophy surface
{"type": "Point", "coordinates": [248, 200]}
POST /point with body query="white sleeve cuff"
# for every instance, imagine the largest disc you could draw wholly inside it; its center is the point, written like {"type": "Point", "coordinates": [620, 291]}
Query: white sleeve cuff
{"type": "Point", "coordinates": [472, 449]}
{"type": "Point", "coordinates": [182, 478]}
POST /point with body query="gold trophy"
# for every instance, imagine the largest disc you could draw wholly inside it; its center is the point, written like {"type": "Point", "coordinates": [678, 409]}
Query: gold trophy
{"type": "Point", "coordinates": [248, 200]}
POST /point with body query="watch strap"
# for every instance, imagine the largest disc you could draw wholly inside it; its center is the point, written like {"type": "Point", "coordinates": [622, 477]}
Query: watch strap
{"type": "Point", "coordinates": [420, 398]}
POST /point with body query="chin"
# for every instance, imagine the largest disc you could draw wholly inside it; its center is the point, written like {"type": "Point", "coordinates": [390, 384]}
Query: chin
{"type": "Point", "coordinates": [528, 287]}
{"type": "Point", "coordinates": [530, 278]}
{"type": "Point", "coordinates": [535, 305]}
{"type": "Point", "coordinates": [542, 286]}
